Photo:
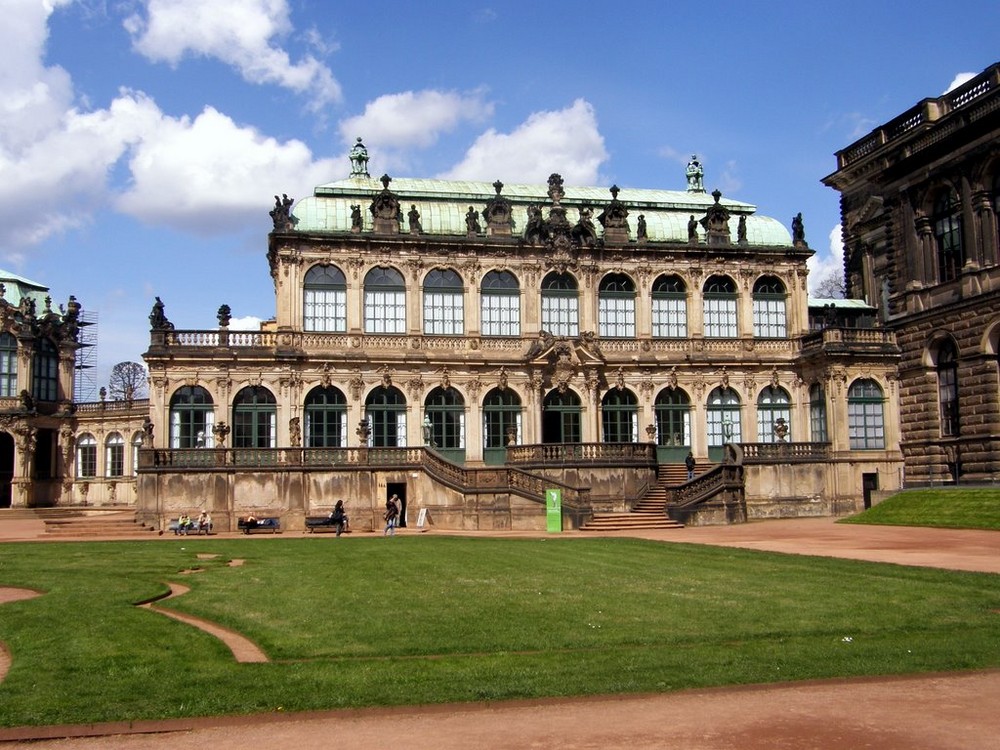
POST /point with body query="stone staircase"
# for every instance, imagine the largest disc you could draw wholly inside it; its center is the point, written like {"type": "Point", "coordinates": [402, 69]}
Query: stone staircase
{"type": "Point", "coordinates": [650, 512]}
{"type": "Point", "coordinates": [70, 522]}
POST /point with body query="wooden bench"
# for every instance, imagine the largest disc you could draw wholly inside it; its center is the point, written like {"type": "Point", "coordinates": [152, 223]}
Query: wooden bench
{"type": "Point", "coordinates": [324, 523]}
{"type": "Point", "coordinates": [268, 523]}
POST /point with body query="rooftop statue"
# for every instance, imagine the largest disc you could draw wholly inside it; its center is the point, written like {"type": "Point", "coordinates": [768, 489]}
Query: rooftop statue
{"type": "Point", "coordinates": [157, 319]}
{"type": "Point", "coordinates": [472, 221]}
{"type": "Point", "coordinates": [584, 233]}
{"type": "Point", "coordinates": [281, 214]}
{"type": "Point", "coordinates": [716, 222]}
{"type": "Point", "coordinates": [498, 213]}
{"type": "Point", "coordinates": [741, 230]}
{"type": "Point", "coordinates": [798, 230]}
{"type": "Point", "coordinates": [640, 229]}
{"type": "Point", "coordinates": [359, 160]}
{"type": "Point", "coordinates": [695, 176]}
{"type": "Point", "coordinates": [414, 216]}
{"type": "Point", "coordinates": [385, 210]}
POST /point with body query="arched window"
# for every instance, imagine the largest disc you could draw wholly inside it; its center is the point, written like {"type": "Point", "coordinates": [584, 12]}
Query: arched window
{"type": "Point", "coordinates": [385, 301]}
{"type": "Point", "coordinates": [720, 302]}
{"type": "Point", "coordinates": [561, 417]}
{"type": "Point", "coordinates": [774, 416]}
{"type": "Point", "coordinates": [445, 409]}
{"type": "Point", "coordinates": [255, 418]}
{"type": "Point", "coordinates": [817, 414]}
{"type": "Point", "coordinates": [769, 309]}
{"type": "Point", "coordinates": [865, 416]}
{"type": "Point", "coordinates": [86, 456]}
{"type": "Point", "coordinates": [114, 455]}
{"type": "Point", "coordinates": [620, 416]}
{"type": "Point", "coordinates": [45, 371]}
{"type": "Point", "coordinates": [386, 413]}
{"type": "Point", "coordinates": [673, 418]}
{"type": "Point", "coordinates": [326, 418]}
{"type": "Point", "coordinates": [948, 235]}
{"type": "Point", "coordinates": [616, 307]}
{"type": "Point", "coordinates": [444, 311]}
{"type": "Point", "coordinates": [192, 417]}
{"type": "Point", "coordinates": [501, 423]}
{"type": "Point", "coordinates": [324, 299]}
{"type": "Point", "coordinates": [500, 304]}
{"type": "Point", "coordinates": [947, 375]}
{"type": "Point", "coordinates": [723, 417]}
{"type": "Point", "coordinates": [560, 305]}
{"type": "Point", "coordinates": [8, 365]}
{"type": "Point", "coordinates": [669, 308]}
{"type": "Point", "coordinates": [137, 443]}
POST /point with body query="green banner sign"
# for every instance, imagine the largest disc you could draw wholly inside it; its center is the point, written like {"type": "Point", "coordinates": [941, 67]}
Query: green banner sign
{"type": "Point", "coordinates": [553, 511]}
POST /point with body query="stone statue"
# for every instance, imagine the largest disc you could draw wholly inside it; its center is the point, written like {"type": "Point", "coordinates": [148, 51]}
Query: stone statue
{"type": "Point", "coordinates": [693, 230]}
{"type": "Point", "coordinates": [640, 231]}
{"type": "Point", "coordinates": [535, 232]}
{"type": "Point", "coordinates": [157, 319]}
{"type": "Point", "coordinates": [385, 209]}
{"type": "Point", "coordinates": [414, 217]}
{"type": "Point", "coordinates": [741, 230]}
{"type": "Point", "coordinates": [359, 160]}
{"type": "Point", "coordinates": [716, 222]}
{"type": "Point", "coordinates": [281, 214]}
{"type": "Point", "coordinates": [147, 432]}
{"type": "Point", "coordinates": [472, 221]}
{"type": "Point", "coordinates": [695, 176]}
{"type": "Point", "coordinates": [294, 432]}
{"type": "Point", "coordinates": [356, 221]}
{"type": "Point", "coordinates": [584, 233]}
{"type": "Point", "coordinates": [798, 230]}
{"type": "Point", "coordinates": [224, 316]}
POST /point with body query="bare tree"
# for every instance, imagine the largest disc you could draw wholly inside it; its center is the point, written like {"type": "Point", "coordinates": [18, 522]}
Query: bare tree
{"type": "Point", "coordinates": [128, 382]}
{"type": "Point", "coordinates": [831, 286]}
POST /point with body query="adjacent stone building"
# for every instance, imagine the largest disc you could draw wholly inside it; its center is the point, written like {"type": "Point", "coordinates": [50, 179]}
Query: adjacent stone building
{"type": "Point", "coordinates": [920, 197]}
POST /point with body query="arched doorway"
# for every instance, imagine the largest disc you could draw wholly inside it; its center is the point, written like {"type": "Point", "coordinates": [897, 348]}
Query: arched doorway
{"type": "Point", "coordinates": [561, 415]}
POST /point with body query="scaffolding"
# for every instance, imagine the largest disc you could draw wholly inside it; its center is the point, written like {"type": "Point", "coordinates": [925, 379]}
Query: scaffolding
{"type": "Point", "coordinates": [84, 378]}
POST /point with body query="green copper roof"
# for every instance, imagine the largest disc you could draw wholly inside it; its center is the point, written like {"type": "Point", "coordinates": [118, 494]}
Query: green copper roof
{"type": "Point", "coordinates": [17, 287]}
{"type": "Point", "coordinates": [443, 204]}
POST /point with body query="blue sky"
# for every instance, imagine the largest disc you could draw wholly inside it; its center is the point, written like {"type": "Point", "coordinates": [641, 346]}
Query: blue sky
{"type": "Point", "coordinates": [142, 141]}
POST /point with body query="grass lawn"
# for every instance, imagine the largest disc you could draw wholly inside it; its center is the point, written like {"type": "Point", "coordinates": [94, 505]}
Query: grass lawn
{"type": "Point", "coordinates": [424, 619]}
{"type": "Point", "coordinates": [954, 508]}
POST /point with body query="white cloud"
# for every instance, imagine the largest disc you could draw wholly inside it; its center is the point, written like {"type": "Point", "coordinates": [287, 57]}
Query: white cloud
{"type": "Point", "coordinates": [247, 323]}
{"type": "Point", "coordinates": [414, 119]}
{"type": "Point", "coordinates": [960, 79]}
{"type": "Point", "coordinates": [211, 175]}
{"type": "Point", "coordinates": [240, 33]}
{"type": "Point", "coordinates": [822, 265]}
{"type": "Point", "coordinates": [566, 141]}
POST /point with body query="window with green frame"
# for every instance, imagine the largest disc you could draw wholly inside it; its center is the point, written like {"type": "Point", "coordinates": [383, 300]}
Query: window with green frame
{"type": "Point", "coordinates": [45, 371]}
{"type": "Point", "coordinates": [669, 308]}
{"type": "Point", "coordinates": [769, 309]}
{"type": "Point", "coordinates": [616, 307]}
{"type": "Point", "coordinates": [773, 404]}
{"type": "Point", "coordinates": [86, 456]}
{"type": "Point", "coordinates": [385, 409]}
{"type": "Point", "coordinates": [501, 418]}
{"type": "Point", "coordinates": [192, 417]}
{"type": "Point", "coordinates": [620, 416]}
{"type": "Point", "coordinates": [324, 299]}
{"type": "Point", "coordinates": [561, 413]}
{"type": "Point", "coordinates": [445, 408]}
{"type": "Point", "coordinates": [720, 307]}
{"type": "Point", "coordinates": [114, 455]}
{"type": "Point", "coordinates": [673, 418]}
{"type": "Point", "coordinates": [865, 416]}
{"type": "Point", "coordinates": [8, 365]}
{"type": "Point", "coordinates": [560, 305]}
{"type": "Point", "coordinates": [444, 303]}
{"type": "Point", "coordinates": [385, 301]}
{"type": "Point", "coordinates": [947, 222]}
{"type": "Point", "coordinates": [500, 304]}
{"type": "Point", "coordinates": [817, 414]}
{"type": "Point", "coordinates": [723, 417]}
{"type": "Point", "coordinates": [255, 418]}
{"type": "Point", "coordinates": [326, 418]}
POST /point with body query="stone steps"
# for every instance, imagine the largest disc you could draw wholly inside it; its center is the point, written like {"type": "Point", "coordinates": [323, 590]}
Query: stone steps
{"type": "Point", "coordinates": [630, 522]}
{"type": "Point", "coordinates": [116, 525]}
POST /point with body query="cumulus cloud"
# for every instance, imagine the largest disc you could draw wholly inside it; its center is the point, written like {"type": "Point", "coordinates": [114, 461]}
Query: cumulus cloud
{"type": "Point", "coordinates": [566, 141]}
{"type": "Point", "coordinates": [210, 174]}
{"type": "Point", "coordinates": [239, 33]}
{"type": "Point", "coordinates": [958, 80]}
{"type": "Point", "coordinates": [823, 265]}
{"type": "Point", "coordinates": [414, 119]}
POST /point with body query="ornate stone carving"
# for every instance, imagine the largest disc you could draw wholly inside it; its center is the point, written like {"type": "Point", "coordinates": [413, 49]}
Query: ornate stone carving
{"type": "Point", "coordinates": [281, 214]}
{"type": "Point", "coordinates": [716, 222]}
{"type": "Point", "coordinates": [614, 219]}
{"type": "Point", "coordinates": [498, 214]}
{"type": "Point", "coordinates": [385, 209]}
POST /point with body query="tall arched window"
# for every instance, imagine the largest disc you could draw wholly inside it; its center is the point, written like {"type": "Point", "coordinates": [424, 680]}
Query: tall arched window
{"type": "Point", "coordinates": [8, 365]}
{"type": "Point", "coordinates": [445, 409]}
{"type": "Point", "coordinates": [501, 423]}
{"type": "Point", "coordinates": [616, 307]}
{"type": "Point", "coordinates": [386, 413]}
{"type": "Point", "coordinates": [192, 417]}
{"type": "Point", "coordinates": [500, 304]}
{"type": "Point", "coordinates": [673, 418]}
{"type": "Point", "coordinates": [86, 457]}
{"type": "Point", "coordinates": [620, 416]}
{"type": "Point", "coordinates": [947, 375]}
{"type": "Point", "coordinates": [137, 443]}
{"type": "Point", "coordinates": [255, 418]}
{"type": "Point", "coordinates": [561, 417]}
{"type": "Point", "coordinates": [723, 417]}
{"type": "Point", "coordinates": [325, 418]}
{"type": "Point", "coordinates": [669, 308]}
{"type": "Point", "coordinates": [769, 309]}
{"type": "Point", "coordinates": [948, 234]}
{"type": "Point", "coordinates": [560, 305]}
{"type": "Point", "coordinates": [45, 371]}
{"type": "Point", "coordinates": [720, 302]}
{"type": "Point", "coordinates": [774, 404]}
{"type": "Point", "coordinates": [817, 414]}
{"type": "Point", "coordinates": [865, 416]}
{"type": "Point", "coordinates": [385, 301]}
{"type": "Point", "coordinates": [444, 311]}
{"type": "Point", "coordinates": [114, 455]}
{"type": "Point", "coordinates": [324, 299]}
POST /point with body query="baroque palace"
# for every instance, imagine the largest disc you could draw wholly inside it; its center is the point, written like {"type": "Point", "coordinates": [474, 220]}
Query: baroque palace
{"type": "Point", "coordinates": [469, 346]}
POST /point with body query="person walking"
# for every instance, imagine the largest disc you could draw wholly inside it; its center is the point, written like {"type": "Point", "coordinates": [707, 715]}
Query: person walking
{"type": "Point", "coordinates": [391, 514]}
{"type": "Point", "coordinates": [690, 463]}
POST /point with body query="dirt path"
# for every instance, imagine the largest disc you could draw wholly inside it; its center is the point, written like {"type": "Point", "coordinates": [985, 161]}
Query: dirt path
{"type": "Point", "coordinates": [937, 712]}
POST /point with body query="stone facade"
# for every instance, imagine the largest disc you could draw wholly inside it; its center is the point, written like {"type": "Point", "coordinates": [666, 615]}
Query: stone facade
{"type": "Point", "coordinates": [920, 197]}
